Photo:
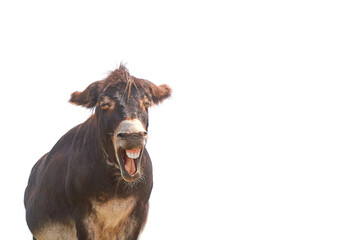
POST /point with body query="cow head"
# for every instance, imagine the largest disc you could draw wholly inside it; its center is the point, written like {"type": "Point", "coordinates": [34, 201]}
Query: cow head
{"type": "Point", "coordinates": [121, 104]}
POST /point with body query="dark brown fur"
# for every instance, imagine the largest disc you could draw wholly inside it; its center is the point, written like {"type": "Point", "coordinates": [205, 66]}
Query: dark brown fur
{"type": "Point", "coordinates": [82, 167]}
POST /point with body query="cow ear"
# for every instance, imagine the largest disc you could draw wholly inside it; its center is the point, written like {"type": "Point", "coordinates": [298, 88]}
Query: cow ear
{"type": "Point", "coordinates": [87, 98]}
{"type": "Point", "coordinates": [160, 93]}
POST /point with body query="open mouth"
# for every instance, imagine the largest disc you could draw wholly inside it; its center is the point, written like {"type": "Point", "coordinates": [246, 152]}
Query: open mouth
{"type": "Point", "coordinates": [129, 161]}
{"type": "Point", "coordinates": [129, 141]}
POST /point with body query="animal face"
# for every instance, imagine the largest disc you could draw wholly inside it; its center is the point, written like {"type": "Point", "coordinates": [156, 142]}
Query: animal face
{"type": "Point", "coordinates": [121, 104]}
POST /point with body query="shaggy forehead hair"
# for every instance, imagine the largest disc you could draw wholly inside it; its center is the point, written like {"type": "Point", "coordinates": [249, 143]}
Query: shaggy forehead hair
{"type": "Point", "coordinates": [120, 75]}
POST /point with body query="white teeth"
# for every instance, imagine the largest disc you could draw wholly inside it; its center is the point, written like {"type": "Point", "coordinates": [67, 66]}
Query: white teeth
{"type": "Point", "coordinates": [133, 155]}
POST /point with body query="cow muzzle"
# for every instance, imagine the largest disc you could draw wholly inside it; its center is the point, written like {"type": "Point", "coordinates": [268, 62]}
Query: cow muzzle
{"type": "Point", "coordinates": [129, 141]}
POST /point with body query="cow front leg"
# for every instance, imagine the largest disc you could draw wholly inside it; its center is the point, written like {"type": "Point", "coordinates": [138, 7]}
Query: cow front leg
{"type": "Point", "coordinates": [135, 224]}
{"type": "Point", "coordinates": [82, 231]}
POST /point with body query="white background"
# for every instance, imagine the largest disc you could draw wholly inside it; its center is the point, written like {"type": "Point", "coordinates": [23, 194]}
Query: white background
{"type": "Point", "coordinates": [260, 139]}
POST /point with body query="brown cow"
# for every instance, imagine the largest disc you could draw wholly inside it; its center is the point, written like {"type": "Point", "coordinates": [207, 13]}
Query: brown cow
{"type": "Point", "coordinates": [96, 181]}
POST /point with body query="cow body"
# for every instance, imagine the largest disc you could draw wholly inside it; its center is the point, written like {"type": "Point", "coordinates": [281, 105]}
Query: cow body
{"type": "Point", "coordinates": [86, 187]}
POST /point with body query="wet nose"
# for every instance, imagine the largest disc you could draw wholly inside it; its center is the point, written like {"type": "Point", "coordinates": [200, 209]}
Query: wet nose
{"type": "Point", "coordinates": [125, 135]}
{"type": "Point", "coordinates": [130, 134]}
{"type": "Point", "coordinates": [131, 128]}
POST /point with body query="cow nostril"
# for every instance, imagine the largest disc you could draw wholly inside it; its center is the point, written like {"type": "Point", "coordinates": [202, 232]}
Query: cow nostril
{"type": "Point", "coordinates": [122, 135]}
{"type": "Point", "coordinates": [127, 135]}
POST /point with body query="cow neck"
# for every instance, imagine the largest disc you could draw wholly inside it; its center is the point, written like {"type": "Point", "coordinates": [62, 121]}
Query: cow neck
{"type": "Point", "coordinates": [95, 133]}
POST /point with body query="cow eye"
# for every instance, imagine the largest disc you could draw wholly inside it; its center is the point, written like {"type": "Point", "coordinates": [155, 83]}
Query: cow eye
{"type": "Point", "coordinates": [146, 105]}
{"type": "Point", "coordinates": [106, 102]}
{"type": "Point", "coordinates": [104, 105]}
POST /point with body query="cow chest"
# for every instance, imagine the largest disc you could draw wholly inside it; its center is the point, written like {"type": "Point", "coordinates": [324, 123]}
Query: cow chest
{"type": "Point", "coordinates": [110, 220]}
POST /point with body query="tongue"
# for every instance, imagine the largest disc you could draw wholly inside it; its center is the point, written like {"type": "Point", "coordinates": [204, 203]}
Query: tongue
{"type": "Point", "coordinates": [130, 165]}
